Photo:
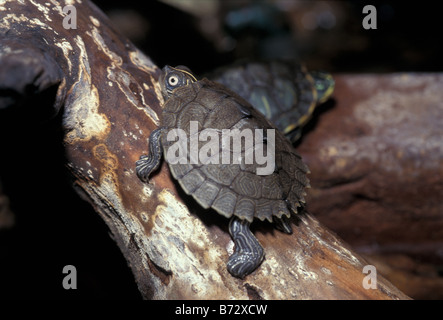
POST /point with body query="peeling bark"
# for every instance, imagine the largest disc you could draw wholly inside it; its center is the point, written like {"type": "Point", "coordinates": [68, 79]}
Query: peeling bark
{"type": "Point", "coordinates": [110, 98]}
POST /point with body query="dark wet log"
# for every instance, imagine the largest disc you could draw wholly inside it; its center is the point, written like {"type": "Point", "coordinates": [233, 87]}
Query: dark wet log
{"type": "Point", "coordinates": [376, 159]}
{"type": "Point", "coordinates": [109, 95]}
{"type": "Point", "coordinates": [377, 163]}
{"type": "Point", "coordinates": [418, 279]}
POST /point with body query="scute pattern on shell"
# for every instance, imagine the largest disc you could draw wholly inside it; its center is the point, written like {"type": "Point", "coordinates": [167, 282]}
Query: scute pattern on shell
{"type": "Point", "coordinates": [233, 189]}
{"type": "Point", "coordinates": [282, 91]}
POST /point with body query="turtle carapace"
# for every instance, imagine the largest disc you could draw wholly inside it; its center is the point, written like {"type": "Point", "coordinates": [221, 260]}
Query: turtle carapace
{"type": "Point", "coordinates": [235, 189]}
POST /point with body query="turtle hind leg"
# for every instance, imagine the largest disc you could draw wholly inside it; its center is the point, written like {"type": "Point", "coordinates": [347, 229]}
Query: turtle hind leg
{"type": "Point", "coordinates": [149, 163]}
{"type": "Point", "coordinates": [248, 253]}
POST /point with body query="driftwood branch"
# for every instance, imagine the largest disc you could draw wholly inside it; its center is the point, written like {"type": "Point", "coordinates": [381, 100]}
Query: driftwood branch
{"type": "Point", "coordinates": [109, 95]}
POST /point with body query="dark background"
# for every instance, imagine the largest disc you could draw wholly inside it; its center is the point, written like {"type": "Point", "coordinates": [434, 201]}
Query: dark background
{"type": "Point", "coordinates": [323, 34]}
{"type": "Point", "coordinates": [53, 227]}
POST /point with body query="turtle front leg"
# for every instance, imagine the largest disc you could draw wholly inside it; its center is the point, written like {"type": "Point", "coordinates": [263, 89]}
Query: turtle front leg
{"type": "Point", "coordinates": [248, 253]}
{"type": "Point", "coordinates": [149, 163]}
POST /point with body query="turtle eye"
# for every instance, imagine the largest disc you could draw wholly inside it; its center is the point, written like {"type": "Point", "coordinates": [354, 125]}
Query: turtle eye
{"type": "Point", "coordinates": [173, 80]}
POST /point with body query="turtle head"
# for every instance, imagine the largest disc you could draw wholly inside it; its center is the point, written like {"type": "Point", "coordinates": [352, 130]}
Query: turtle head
{"type": "Point", "coordinates": [324, 84]}
{"type": "Point", "coordinates": [175, 77]}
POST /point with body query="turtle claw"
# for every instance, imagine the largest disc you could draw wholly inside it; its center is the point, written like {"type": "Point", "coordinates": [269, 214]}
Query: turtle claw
{"type": "Point", "coordinates": [248, 254]}
{"type": "Point", "coordinates": [282, 224]}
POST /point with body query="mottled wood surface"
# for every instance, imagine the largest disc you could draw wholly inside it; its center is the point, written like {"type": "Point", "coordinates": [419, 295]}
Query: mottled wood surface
{"type": "Point", "coordinates": [108, 93]}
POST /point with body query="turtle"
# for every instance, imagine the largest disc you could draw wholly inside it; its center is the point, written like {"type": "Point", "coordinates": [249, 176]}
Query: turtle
{"type": "Point", "coordinates": [234, 189]}
{"type": "Point", "coordinates": [283, 90]}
